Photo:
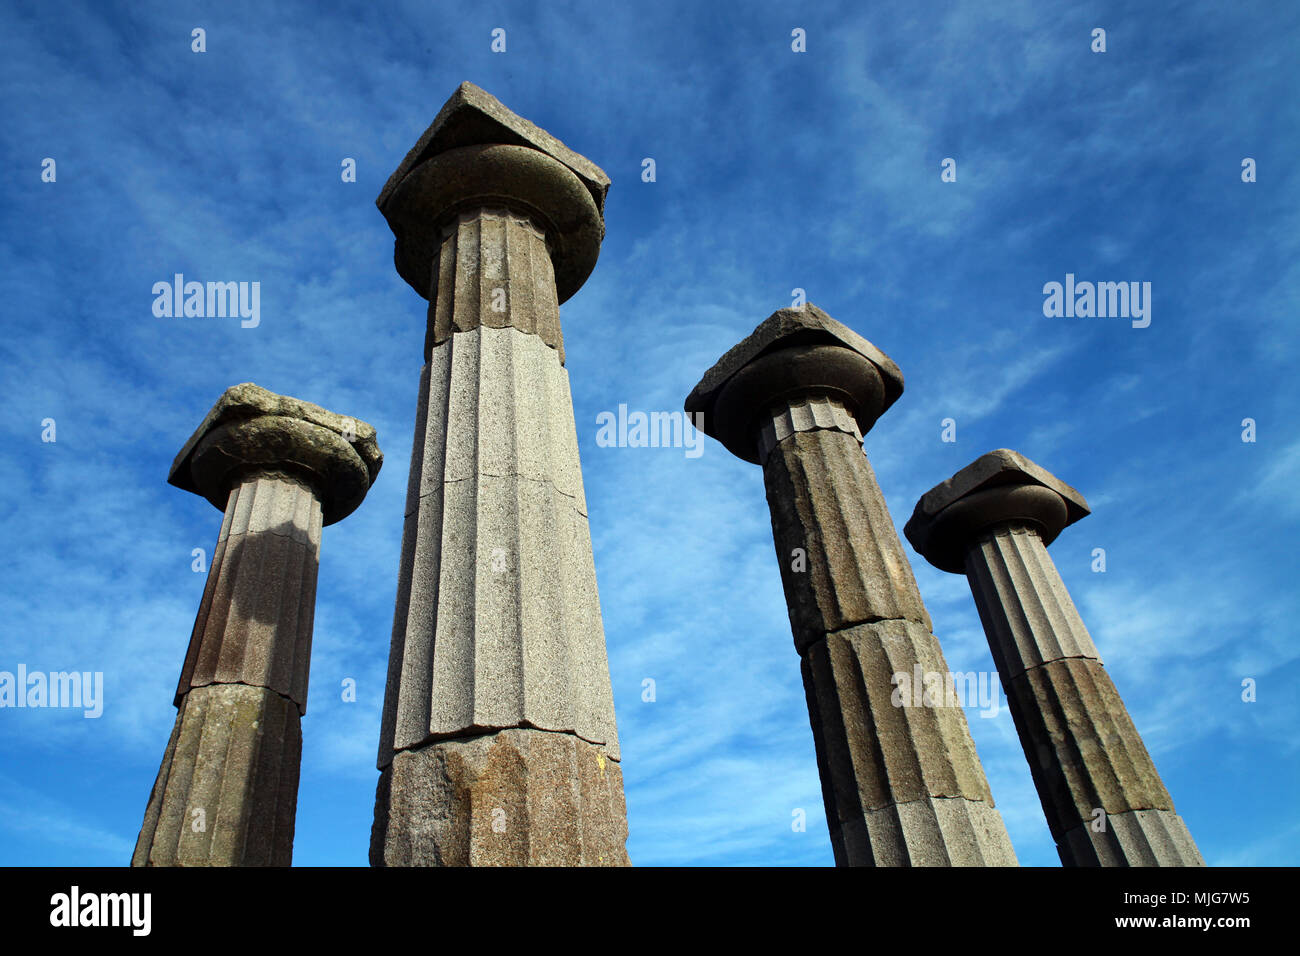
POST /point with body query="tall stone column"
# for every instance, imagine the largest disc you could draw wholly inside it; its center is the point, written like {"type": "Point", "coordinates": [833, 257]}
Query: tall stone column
{"type": "Point", "coordinates": [902, 783]}
{"type": "Point", "coordinates": [281, 468]}
{"type": "Point", "coordinates": [498, 743]}
{"type": "Point", "coordinates": [1104, 801]}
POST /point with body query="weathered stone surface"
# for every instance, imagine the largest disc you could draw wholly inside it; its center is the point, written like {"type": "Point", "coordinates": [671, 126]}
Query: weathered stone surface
{"type": "Point", "coordinates": [824, 500]}
{"type": "Point", "coordinates": [993, 520]}
{"type": "Point", "coordinates": [523, 180]}
{"type": "Point", "coordinates": [1002, 466]}
{"type": "Point", "coordinates": [282, 468]}
{"type": "Point", "coordinates": [228, 785]}
{"type": "Point", "coordinates": [252, 431]}
{"type": "Point", "coordinates": [498, 403]}
{"type": "Point", "coordinates": [472, 124]}
{"type": "Point", "coordinates": [788, 328]}
{"type": "Point", "coordinates": [1136, 838]}
{"type": "Point", "coordinates": [474, 117]}
{"type": "Point", "coordinates": [810, 413]}
{"type": "Point", "coordinates": [942, 831]}
{"type": "Point", "coordinates": [498, 683]}
{"type": "Point", "coordinates": [513, 798]}
{"type": "Point", "coordinates": [254, 624]}
{"type": "Point", "coordinates": [1027, 613]}
{"type": "Point", "coordinates": [879, 753]}
{"type": "Point", "coordinates": [498, 270]}
{"type": "Point", "coordinates": [793, 354]}
{"type": "Point", "coordinates": [994, 488]}
{"type": "Point", "coordinates": [902, 785]}
{"type": "Point", "coordinates": [498, 620]}
{"type": "Point", "coordinates": [1083, 750]}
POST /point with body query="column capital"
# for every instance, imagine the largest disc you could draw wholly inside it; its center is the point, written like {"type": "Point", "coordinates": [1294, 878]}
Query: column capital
{"type": "Point", "coordinates": [477, 153]}
{"type": "Point", "coordinates": [792, 355]}
{"type": "Point", "coordinates": [251, 431]}
{"type": "Point", "coordinates": [1000, 488]}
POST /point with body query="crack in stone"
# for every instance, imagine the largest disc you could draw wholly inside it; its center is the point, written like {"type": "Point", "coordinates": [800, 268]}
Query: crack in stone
{"type": "Point", "coordinates": [241, 683]}
{"type": "Point", "coordinates": [474, 733]}
{"type": "Point", "coordinates": [1069, 657]}
{"type": "Point", "coordinates": [483, 474]}
{"type": "Point", "coordinates": [297, 536]}
{"type": "Point", "coordinates": [874, 620]}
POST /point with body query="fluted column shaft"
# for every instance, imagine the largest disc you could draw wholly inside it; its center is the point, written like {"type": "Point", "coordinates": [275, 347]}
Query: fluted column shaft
{"type": "Point", "coordinates": [227, 789]}
{"type": "Point", "coordinates": [903, 785]}
{"type": "Point", "coordinates": [228, 786]}
{"type": "Point", "coordinates": [498, 652]}
{"type": "Point", "coordinates": [1104, 801]}
{"type": "Point", "coordinates": [498, 743]}
{"type": "Point", "coordinates": [254, 624]}
{"type": "Point", "coordinates": [901, 781]}
{"type": "Point", "coordinates": [1084, 752]}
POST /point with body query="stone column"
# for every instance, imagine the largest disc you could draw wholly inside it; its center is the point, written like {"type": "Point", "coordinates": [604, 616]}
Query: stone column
{"type": "Point", "coordinates": [1104, 801]}
{"type": "Point", "coordinates": [498, 743]}
{"type": "Point", "coordinates": [281, 468]}
{"type": "Point", "coordinates": [901, 782]}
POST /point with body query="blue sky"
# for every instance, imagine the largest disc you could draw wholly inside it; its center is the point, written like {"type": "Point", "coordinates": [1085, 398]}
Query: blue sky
{"type": "Point", "coordinates": [776, 170]}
